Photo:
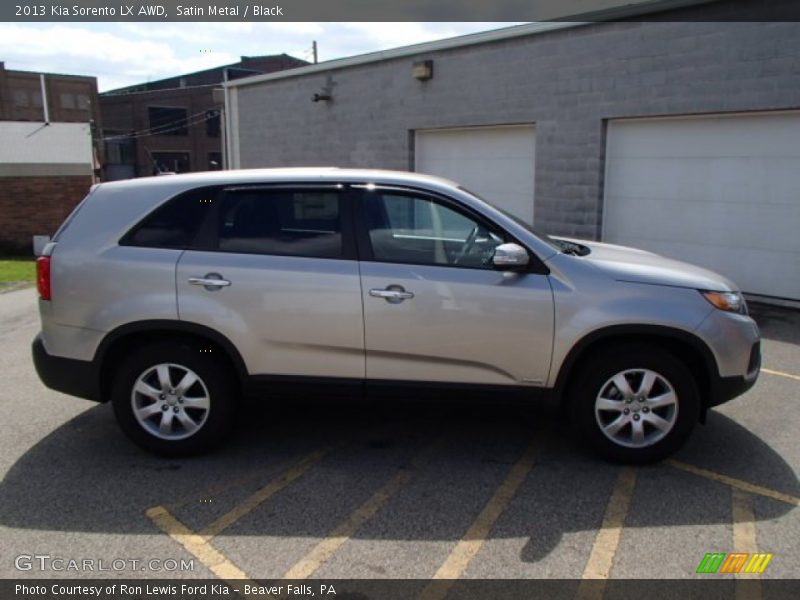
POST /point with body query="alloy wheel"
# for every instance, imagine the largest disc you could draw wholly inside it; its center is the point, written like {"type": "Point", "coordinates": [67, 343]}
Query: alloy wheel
{"type": "Point", "coordinates": [170, 401]}
{"type": "Point", "coordinates": [636, 408]}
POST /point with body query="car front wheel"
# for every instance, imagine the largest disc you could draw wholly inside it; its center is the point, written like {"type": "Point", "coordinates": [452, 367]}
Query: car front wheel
{"type": "Point", "coordinates": [634, 404]}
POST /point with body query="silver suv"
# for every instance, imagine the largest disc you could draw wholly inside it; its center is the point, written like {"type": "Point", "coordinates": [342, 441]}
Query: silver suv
{"type": "Point", "coordinates": [174, 297]}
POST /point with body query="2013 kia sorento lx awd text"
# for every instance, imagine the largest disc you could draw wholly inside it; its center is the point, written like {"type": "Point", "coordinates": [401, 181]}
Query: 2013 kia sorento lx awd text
{"type": "Point", "coordinates": [173, 297]}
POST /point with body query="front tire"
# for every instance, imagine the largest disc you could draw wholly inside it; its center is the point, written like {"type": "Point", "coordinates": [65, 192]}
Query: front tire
{"type": "Point", "coordinates": [173, 399]}
{"type": "Point", "coordinates": [634, 403]}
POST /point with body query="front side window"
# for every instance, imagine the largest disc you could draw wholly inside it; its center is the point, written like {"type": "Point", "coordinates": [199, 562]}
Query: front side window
{"type": "Point", "coordinates": [281, 222]}
{"type": "Point", "coordinates": [412, 229]}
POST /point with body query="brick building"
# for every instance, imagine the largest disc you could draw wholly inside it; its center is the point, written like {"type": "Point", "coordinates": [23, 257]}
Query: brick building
{"type": "Point", "coordinates": [173, 124]}
{"type": "Point", "coordinates": [676, 131]}
{"type": "Point", "coordinates": [47, 122]}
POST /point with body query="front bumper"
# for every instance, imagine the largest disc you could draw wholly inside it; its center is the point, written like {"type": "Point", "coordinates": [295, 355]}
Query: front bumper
{"type": "Point", "coordinates": [728, 388]}
{"type": "Point", "coordinates": [74, 377]}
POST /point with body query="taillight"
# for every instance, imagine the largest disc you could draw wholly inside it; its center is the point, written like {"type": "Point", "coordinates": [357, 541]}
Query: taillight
{"type": "Point", "coordinates": [43, 277]}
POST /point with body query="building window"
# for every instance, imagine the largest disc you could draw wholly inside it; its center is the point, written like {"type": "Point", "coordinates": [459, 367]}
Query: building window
{"type": "Point", "coordinates": [214, 161]}
{"type": "Point", "coordinates": [83, 102]}
{"type": "Point", "coordinates": [168, 121]}
{"type": "Point", "coordinates": [120, 151]}
{"type": "Point", "coordinates": [212, 123]}
{"type": "Point", "coordinates": [68, 101]}
{"type": "Point", "coordinates": [36, 98]}
{"type": "Point", "coordinates": [171, 162]}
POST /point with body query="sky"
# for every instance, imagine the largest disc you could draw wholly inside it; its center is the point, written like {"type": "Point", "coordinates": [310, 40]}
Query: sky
{"type": "Point", "coordinates": [121, 54]}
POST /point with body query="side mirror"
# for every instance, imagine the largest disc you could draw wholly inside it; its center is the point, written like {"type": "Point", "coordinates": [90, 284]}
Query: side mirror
{"type": "Point", "coordinates": [510, 256]}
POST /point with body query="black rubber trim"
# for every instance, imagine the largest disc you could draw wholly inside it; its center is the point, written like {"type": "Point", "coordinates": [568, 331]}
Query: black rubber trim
{"type": "Point", "coordinates": [79, 378]}
{"type": "Point", "coordinates": [728, 388]}
{"type": "Point", "coordinates": [720, 390]}
{"type": "Point", "coordinates": [755, 358]}
{"type": "Point", "coordinates": [169, 326]}
{"type": "Point", "coordinates": [334, 387]}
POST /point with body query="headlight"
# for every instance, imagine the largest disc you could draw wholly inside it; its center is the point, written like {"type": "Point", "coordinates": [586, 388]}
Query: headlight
{"type": "Point", "coordinates": [727, 301]}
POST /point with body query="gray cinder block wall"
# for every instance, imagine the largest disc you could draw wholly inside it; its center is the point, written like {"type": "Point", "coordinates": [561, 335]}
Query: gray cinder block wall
{"type": "Point", "coordinates": [568, 82]}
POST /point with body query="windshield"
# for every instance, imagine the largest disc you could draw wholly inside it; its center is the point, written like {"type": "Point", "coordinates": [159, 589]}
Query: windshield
{"type": "Point", "coordinates": [555, 244]}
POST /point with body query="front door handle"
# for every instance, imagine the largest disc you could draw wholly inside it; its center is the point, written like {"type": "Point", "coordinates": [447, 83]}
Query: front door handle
{"type": "Point", "coordinates": [211, 282]}
{"type": "Point", "coordinates": [393, 294]}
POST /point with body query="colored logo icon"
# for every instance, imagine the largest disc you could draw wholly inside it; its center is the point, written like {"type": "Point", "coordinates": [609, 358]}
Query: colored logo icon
{"type": "Point", "coordinates": [737, 562]}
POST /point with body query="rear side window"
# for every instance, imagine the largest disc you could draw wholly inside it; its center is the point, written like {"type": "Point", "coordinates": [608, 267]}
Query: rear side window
{"type": "Point", "coordinates": [175, 224]}
{"type": "Point", "coordinates": [282, 222]}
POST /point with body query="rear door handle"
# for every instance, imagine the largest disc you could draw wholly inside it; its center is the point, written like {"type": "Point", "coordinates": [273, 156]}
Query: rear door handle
{"type": "Point", "coordinates": [393, 293]}
{"type": "Point", "coordinates": [212, 281]}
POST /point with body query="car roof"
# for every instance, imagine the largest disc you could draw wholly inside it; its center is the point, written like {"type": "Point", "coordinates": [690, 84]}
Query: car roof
{"type": "Point", "coordinates": [280, 175]}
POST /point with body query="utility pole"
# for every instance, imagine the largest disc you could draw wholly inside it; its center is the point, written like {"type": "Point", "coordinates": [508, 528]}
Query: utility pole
{"type": "Point", "coordinates": [314, 50]}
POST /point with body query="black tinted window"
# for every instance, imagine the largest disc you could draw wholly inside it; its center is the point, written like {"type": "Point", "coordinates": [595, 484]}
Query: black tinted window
{"type": "Point", "coordinates": [175, 224]}
{"type": "Point", "coordinates": [283, 222]}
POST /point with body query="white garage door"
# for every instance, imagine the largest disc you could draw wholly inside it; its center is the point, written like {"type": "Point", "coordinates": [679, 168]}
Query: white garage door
{"type": "Point", "coordinates": [722, 192]}
{"type": "Point", "coordinates": [495, 162]}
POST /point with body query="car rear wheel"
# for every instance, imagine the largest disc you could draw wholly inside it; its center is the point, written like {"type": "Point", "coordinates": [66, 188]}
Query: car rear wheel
{"type": "Point", "coordinates": [174, 400]}
{"type": "Point", "coordinates": [634, 403]}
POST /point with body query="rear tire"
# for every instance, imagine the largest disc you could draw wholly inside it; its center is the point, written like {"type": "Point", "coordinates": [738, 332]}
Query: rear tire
{"type": "Point", "coordinates": [172, 399]}
{"type": "Point", "coordinates": [634, 403]}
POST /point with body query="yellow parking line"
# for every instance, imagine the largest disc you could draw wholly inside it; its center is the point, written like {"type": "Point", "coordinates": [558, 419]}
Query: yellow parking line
{"type": "Point", "coordinates": [196, 545]}
{"type": "Point", "coordinates": [217, 489]}
{"type": "Point", "coordinates": [781, 374]}
{"type": "Point", "coordinates": [323, 551]}
{"type": "Point", "coordinates": [744, 526]}
{"type": "Point", "coordinates": [263, 494]}
{"type": "Point", "coordinates": [736, 483]}
{"type": "Point", "coordinates": [606, 542]}
{"type": "Point", "coordinates": [744, 541]}
{"type": "Point", "coordinates": [466, 549]}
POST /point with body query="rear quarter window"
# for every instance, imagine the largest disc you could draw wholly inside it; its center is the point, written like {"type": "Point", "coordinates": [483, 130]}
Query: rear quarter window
{"type": "Point", "coordinates": [173, 224]}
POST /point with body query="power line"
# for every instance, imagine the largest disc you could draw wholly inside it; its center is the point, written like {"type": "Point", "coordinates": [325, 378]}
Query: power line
{"type": "Point", "coordinates": [179, 124]}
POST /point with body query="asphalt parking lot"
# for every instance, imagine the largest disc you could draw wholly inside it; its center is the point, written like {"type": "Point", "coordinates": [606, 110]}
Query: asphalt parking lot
{"type": "Point", "coordinates": [399, 490]}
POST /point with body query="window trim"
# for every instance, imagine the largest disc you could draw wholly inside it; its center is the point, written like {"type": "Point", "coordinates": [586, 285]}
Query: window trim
{"type": "Point", "coordinates": [207, 238]}
{"type": "Point", "coordinates": [535, 265]}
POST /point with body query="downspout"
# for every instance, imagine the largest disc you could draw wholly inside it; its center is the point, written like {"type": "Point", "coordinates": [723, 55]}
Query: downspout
{"type": "Point", "coordinates": [44, 99]}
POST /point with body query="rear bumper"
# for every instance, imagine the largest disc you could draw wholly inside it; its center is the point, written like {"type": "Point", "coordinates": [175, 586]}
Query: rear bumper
{"type": "Point", "coordinates": [74, 377]}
